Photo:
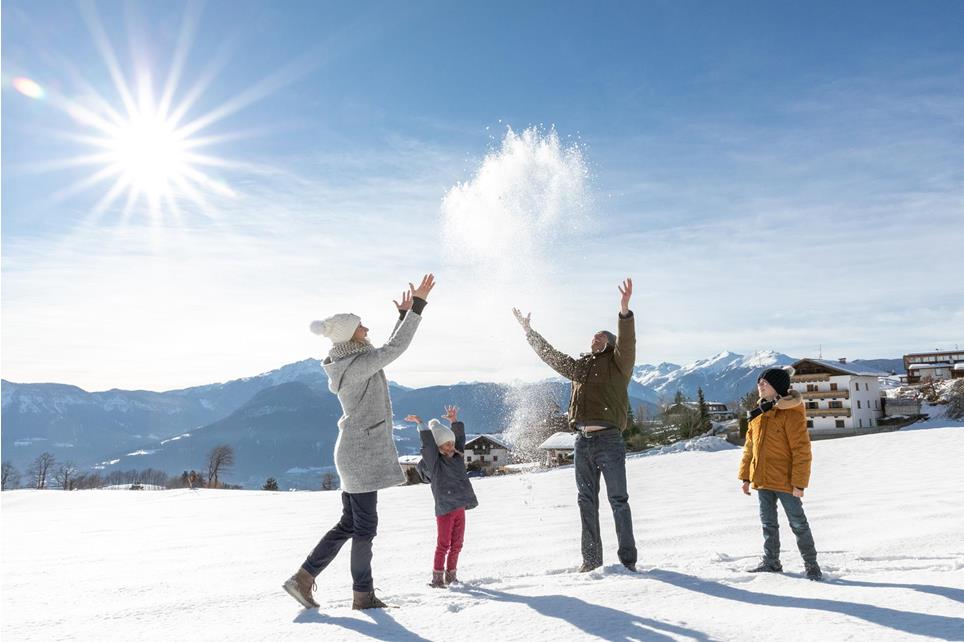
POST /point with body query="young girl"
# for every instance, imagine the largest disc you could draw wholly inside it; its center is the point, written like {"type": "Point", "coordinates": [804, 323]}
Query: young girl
{"type": "Point", "coordinates": [444, 465]}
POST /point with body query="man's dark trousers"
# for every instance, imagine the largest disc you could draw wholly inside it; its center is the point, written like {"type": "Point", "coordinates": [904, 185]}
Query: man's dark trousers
{"type": "Point", "coordinates": [603, 452]}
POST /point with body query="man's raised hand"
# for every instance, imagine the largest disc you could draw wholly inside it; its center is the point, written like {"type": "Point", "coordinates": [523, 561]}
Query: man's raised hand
{"type": "Point", "coordinates": [523, 320]}
{"type": "Point", "coordinates": [626, 293]}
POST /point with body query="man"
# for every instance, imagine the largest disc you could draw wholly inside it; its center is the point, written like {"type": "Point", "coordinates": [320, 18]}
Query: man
{"type": "Point", "coordinates": [598, 409]}
{"type": "Point", "coordinates": [776, 461]}
{"type": "Point", "coordinates": [365, 454]}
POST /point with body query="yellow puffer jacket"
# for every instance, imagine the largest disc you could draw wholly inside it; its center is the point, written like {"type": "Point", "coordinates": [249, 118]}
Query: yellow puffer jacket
{"type": "Point", "coordinates": [777, 452]}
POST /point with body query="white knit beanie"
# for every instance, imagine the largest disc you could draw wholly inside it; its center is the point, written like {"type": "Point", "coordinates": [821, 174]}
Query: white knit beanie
{"type": "Point", "coordinates": [339, 328]}
{"type": "Point", "coordinates": [441, 432]}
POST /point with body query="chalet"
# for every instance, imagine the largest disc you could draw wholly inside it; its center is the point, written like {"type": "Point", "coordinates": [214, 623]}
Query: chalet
{"type": "Point", "coordinates": [837, 395]}
{"type": "Point", "coordinates": [924, 367]}
{"type": "Point", "coordinates": [559, 448]}
{"type": "Point", "coordinates": [487, 452]}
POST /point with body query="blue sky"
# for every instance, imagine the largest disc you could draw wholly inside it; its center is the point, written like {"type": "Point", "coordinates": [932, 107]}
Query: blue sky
{"type": "Point", "coordinates": [773, 175]}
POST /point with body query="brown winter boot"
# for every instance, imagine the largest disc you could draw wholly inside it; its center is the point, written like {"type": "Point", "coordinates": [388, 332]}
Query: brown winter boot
{"type": "Point", "coordinates": [450, 577]}
{"type": "Point", "coordinates": [299, 586]}
{"type": "Point", "coordinates": [366, 600]}
{"type": "Point", "coordinates": [438, 580]}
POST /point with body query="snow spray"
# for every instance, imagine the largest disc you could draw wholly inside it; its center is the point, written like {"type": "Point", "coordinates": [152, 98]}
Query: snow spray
{"type": "Point", "coordinates": [513, 228]}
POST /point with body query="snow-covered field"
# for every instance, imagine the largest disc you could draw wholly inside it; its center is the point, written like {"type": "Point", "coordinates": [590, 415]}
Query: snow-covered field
{"type": "Point", "coordinates": [886, 513]}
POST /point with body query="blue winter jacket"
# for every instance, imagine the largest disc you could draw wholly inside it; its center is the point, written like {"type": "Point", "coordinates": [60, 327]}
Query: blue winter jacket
{"type": "Point", "coordinates": [450, 484]}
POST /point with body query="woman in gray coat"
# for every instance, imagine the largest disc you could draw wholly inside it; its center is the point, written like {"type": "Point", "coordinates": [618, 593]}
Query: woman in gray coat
{"type": "Point", "coordinates": [365, 454]}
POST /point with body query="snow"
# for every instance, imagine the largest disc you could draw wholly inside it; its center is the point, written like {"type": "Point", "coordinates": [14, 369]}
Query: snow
{"type": "Point", "coordinates": [208, 564]}
{"type": "Point", "coordinates": [707, 444]}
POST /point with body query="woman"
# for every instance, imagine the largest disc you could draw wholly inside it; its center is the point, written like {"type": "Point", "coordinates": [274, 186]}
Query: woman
{"type": "Point", "coordinates": [365, 454]}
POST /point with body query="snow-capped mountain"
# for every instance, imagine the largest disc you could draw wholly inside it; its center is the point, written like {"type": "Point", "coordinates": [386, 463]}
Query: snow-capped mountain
{"type": "Point", "coordinates": [724, 377]}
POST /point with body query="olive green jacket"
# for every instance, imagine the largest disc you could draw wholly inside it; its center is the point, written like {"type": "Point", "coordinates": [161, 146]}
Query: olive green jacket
{"type": "Point", "coordinates": [599, 380]}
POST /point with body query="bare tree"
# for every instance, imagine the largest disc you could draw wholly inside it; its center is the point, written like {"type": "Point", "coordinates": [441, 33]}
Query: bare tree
{"type": "Point", "coordinates": [219, 460]}
{"type": "Point", "coordinates": [329, 481]}
{"type": "Point", "coordinates": [39, 470]}
{"type": "Point", "coordinates": [10, 476]}
{"type": "Point", "coordinates": [66, 475]}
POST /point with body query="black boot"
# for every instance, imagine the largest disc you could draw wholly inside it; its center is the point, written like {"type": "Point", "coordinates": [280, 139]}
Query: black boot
{"type": "Point", "coordinates": [586, 567]}
{"type": "Point", "coordinates": [813, 571]}
{"type": "Point", "coordinates": [767, 566]}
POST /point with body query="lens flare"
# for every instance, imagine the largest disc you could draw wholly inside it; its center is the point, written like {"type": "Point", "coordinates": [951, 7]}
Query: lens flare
{"type": "Point", "coordinates": [28, 87]}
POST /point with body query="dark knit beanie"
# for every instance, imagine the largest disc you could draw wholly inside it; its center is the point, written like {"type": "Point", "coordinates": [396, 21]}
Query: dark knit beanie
{"type": "Point", "coordinates": [779, 379]}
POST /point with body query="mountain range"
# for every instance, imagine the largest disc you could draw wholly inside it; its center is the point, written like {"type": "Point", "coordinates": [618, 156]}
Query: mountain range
{"type": "Point", "coordinates": [282, 423]}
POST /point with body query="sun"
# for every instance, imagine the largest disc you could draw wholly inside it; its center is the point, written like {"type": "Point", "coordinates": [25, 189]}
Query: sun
{"type": "Point", "coordinates": [149, 154]}
{"type": "Point", "coordinates": [146, 150]}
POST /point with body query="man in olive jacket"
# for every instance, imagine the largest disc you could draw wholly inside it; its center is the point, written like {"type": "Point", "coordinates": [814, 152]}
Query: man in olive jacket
{"type": "Point", "coordinates": [598, 409]}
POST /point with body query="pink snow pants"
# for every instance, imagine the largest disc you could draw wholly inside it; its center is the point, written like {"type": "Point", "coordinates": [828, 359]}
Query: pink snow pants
{"type": "Point", "coordinates": [451, 532]}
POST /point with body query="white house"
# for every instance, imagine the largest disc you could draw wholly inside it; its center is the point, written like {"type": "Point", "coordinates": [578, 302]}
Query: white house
{"type": "Point", "coordinates": [559, 447]}
{"type": "Point", "coordinates": [487, 451]}
{"type": "Point", "coordinates": [924, 367]}
{"type": "Point", "coordinates": [838, 395]}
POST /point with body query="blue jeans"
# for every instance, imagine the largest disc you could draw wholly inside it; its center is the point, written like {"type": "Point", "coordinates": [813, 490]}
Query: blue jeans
{"type": "Point", "coordinates": [605, 453]}
{"type": "Point", "coordinates": [359, 522]}
{"type": "Point", "coordinates": [793, 507]}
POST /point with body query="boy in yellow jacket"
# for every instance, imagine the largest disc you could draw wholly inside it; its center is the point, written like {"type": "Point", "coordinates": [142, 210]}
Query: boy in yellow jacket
{"type": "Point", "coordinates": [776, 460]}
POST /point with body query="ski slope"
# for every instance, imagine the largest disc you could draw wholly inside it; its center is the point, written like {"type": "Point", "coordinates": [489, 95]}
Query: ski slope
{"type": "Point", "coordinates": [886, 514]}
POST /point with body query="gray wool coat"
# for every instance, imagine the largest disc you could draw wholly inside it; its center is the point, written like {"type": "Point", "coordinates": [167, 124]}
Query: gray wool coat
{"type": "Point", "coordinates": [451, 487]}
{"type": "Point", "coordinates": [365, 454]}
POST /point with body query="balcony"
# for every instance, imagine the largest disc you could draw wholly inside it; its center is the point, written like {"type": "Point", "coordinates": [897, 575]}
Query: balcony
{"type": "Point", "coordinates": [826, 394]}
{"type": "Point", "coordinates": [810, 378]}
{"type": "Point", "coordinates": [828, 412]}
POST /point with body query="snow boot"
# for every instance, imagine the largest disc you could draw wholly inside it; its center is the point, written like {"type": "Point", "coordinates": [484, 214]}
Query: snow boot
{"type": "Point", "coordinates": [813, 571]}
{"type": "Point", "coordinates": [438, 579]}
{"type": "Point", "coordinates": [366, 600]}
{"type": "Point", "coordinates": [299, 586]}
{"type": "Point", "coordinates": [766, 566]}
{"type": "Point", "coordinates": [586, 567]}
{"type": "Point", "coordinates": [631, 566]}
{"type": "Point", "coordinates": [450, 577]}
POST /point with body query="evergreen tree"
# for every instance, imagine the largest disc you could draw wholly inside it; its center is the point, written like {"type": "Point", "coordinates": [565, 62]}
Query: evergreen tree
{"type": "Point", "coordinates": [679, 398]}
{"type": "Point", "coordinates": [270, 484]}
{"type": "Point", "coordinates": [704, 410]}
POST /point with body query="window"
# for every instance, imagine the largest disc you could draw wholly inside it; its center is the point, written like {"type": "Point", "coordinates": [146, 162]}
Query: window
{"type": "Point", "coordinates": [468, 458]}
{"type": "Point", "coordinates": [812, 405]}
{"type": "Point", "coordinates": [809, 423]}
{"type": "Point", "coordinates": [839, 423]}
{"type": "Point", "coordinates": [858, 404]}
{"type": "Point", "coordinates": [495, 458]}
{"type": "Point", "coordinates": [811, 387]}
{"type": "Point", "coordinates": [866, 386]}
{"type": "Point", "coordinates": [875, 404]}
{"type": "Point", "coordinates": [861, 422]}
{"type": "Point", "coordinates": [836, 404]}
{"type": "Point", "coordinates": [833, 386]}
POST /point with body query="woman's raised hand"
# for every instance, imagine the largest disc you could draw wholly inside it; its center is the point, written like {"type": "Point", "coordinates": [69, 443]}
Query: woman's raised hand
{"type": "Point", "coordinates": [428, 282]}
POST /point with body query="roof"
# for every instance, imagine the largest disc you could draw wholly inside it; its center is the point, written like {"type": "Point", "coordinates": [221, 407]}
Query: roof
{"type": "Point", "coordinates": [845, 368]}
{"type": "Point", "coordinates": [409, 459]}
{"type": "Point", "coordinates": [560, 441]}
{"type": "Point", "coordinates": [497, 442]}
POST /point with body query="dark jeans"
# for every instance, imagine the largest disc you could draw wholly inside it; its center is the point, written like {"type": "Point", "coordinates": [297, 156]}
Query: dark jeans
{"type": "Point", "coordinates": [359, 521]}
{"type": "Point", "coordinates": [603, 452]}
{"type": "Point", "coordinates": [793, 506]}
